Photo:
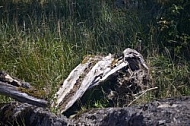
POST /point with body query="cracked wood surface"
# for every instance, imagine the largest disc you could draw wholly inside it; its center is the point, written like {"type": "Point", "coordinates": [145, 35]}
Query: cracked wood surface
{"type": "Point", "coordinates": [93, 71]}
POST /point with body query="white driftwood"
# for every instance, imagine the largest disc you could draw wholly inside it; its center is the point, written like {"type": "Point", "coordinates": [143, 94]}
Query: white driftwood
{"type": "Point", "coordinates": [91, 72]}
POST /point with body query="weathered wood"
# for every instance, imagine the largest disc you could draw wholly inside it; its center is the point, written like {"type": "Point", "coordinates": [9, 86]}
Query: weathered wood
{"type": "Point", "coordinates": [13, 92]}
{"type": "Point", "coordinates": [4, 77]}
{"type": "Point", "coordinates": [74, 86]}
{"type": "Point", "coordinates": [16, 89]}
{"type": "Point", "coordinates": [95, 70]}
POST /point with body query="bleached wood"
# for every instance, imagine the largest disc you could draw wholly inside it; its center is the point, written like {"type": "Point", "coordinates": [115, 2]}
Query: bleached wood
{"type": "Point", "coordinates": [130, 53]}
{"type": "Point", "coordinates": [13, 92]}
{"type": "Point", "coordinates": [92, 72]}
{"type": "Point", "coordinates": [91, 79]}
{"type": "Point", "coordinates": [71, 80]}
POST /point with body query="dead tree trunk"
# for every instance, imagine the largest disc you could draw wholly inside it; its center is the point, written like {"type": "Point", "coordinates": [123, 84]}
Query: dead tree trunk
{"type": "Point", "coordinates": [129, 69]}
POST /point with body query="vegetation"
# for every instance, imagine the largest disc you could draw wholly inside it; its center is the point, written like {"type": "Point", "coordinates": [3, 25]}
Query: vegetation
{"type": "Point", "coordinates": [41, 41]}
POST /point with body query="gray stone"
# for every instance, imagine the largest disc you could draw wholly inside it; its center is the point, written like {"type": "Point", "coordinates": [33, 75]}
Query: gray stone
{"type": "Point", "coordinates": [168, 112]}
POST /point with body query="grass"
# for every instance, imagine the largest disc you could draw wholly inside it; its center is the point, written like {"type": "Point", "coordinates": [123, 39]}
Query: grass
{"type": "Point", "coordinates": [172, 79]}
{"type": "Point", "coordinates": [41, 42]}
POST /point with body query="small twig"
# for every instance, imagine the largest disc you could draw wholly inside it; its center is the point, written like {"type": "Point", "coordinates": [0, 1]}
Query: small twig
{"type": "Point", "coordinates": [143, 92]}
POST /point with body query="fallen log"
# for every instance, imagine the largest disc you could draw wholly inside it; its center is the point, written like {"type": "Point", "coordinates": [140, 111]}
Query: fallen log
{"type": "Point", "coordinates": [15, 93]}
{"type": "Point", "coordinates": [19, 90]}
{"type": "Point", "coordinates": [129, 69]}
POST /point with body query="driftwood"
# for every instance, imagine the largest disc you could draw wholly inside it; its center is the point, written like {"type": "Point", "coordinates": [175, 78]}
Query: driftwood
{"type": "Point", "coordinates": [14, 88]}
{"type": "Point", "coordinates": [129, 69]}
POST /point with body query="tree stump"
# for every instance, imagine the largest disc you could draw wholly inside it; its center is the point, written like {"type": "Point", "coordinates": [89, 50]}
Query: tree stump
{"type": "Point", "coordinates": [127, 75]}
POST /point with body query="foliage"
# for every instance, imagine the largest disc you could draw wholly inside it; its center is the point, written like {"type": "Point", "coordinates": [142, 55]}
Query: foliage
{"type": "Point", "coordinates": [174, 28]}
{"type": "Point", "coordinates": [172, 79]}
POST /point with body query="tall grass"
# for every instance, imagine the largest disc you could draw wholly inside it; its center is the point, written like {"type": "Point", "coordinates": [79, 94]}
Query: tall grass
{"type": "Point", "coordinates": [42, 41]}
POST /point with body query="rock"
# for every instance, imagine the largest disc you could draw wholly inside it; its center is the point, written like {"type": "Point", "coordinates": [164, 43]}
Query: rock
{"type": "Point", "coordinates": [23, 114]}
{"type": "Point", "coordinates": [168, 112]}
